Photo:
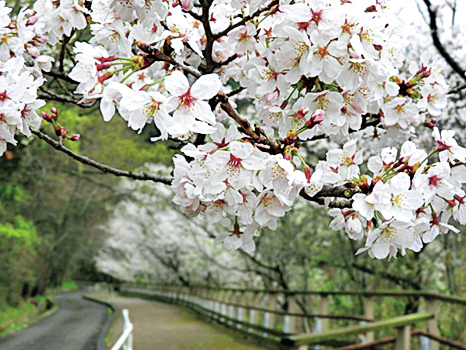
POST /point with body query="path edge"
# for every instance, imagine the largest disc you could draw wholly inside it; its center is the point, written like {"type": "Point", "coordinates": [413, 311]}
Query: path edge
{"type": "Point", "coordinates": [108, 323]}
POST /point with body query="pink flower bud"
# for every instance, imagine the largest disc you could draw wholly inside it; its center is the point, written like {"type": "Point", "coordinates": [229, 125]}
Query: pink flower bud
{"type": "Point", "coordinates": [318, 116]}
{"type": "Point", "coordinates": [46, 116]}
{"type": "Point", "coordinates": [307, 172]}
{"type": "Point", "coordinates": [32, 51]}
{"type": "Point", "coordinates": [32, 20]}
{"type": "Point", "coordinates": [41, 39]}
{"type": "Point", "coordinates": [75, 137]}
{"type": "Point", "coordinates": [302, 112]}
{"type": "Point", "coordinates": [107, 59]}
{"type": "Point", "coordinates": [102, 66]}
{"type": "Point", "coordinates": [287, 157]}
{"type": "Point", "coordinates": [272, 97]}
{"type": "Point", "coordinates": [187, 5]}
{"type": "Point", "coordinates": [54, 110]}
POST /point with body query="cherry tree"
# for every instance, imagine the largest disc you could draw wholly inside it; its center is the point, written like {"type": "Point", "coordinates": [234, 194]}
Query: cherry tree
{"type": "Point", "coordinates": [334, 113]}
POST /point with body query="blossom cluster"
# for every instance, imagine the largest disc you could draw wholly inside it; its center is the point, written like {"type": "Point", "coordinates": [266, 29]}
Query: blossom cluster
{"type": "Point", "coordinates": [407, 201]}
{"type": "Point", "coordinates": [320, 73]}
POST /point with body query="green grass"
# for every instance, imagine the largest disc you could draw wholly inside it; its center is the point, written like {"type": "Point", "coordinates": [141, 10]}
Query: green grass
{"type": "Point", "coordinates": [14, 318]}
{"type": "Point", "coordinates": [68, 286]}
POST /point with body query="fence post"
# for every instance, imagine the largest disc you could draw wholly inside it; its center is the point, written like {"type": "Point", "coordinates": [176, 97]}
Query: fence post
{"type": "Point", "coordinates": [403, 338]}
{"type": "Point", "coordinates": [242, 303]}
{"type": "Point", "coordinates": [269, 317]}
{"type": "Point", "coordinates": [252, 313]}
{"type": "Point", "coordinates": [292, 320]}
{"type": "Point", "coordinates": [432, 327]}
{"type": "Point", "coordinates": [324, 302]}
{"type": "Point", "coordinates": [369, 313]}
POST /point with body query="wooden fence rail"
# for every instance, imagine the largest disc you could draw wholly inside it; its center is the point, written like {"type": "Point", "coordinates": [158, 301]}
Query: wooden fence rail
{"type": "Point", "coordinates": [255, 312]}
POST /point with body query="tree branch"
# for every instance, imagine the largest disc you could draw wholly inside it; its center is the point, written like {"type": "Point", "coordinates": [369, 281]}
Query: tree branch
{"type": "Point", "coordinates": [209, 46]}
{"type": "Point", "coordinates": [227, 61]}
{"type": "Point", "coordinates": [60, 75]}
{"type": "Point", "coordinates": [342, 196]}
{"type": "Point", "coordinates": [52, 96]}
{"type": "Point", "coordinates": [258, 135]}
{"type": "Point", "coordinates": [435, 37]}
{"type": "Point", "coordinates": [102, 167]}
{"type": "Point", "coordinates": [157, 55]}
{"type": "Point", "coordinates": [456, 90]}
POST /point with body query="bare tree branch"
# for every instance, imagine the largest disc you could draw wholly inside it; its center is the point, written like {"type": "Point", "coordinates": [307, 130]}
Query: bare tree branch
{"type": "Point", "coordinates": [102, 167]}
{"type": "Point", "coordinates": [435, 37]}
{"type": "Point", "coordinates": [456, 90]}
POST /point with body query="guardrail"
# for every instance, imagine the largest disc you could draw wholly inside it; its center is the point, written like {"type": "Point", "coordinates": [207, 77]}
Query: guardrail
{"type": "Point", "coordinates": [125, 342]}
{"type": "Point", "coordinates": [255, 313]}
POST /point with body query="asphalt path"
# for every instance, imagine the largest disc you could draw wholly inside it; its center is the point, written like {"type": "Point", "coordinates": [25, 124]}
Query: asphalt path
{"type": "Point", "coordinates": [74, 326]}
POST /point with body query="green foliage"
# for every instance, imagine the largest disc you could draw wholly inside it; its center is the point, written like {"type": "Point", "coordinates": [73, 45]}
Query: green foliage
{"type": "Point", "coordinates": [18, 241]}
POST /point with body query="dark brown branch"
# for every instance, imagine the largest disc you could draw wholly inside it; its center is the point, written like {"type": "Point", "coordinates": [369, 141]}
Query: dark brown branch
{"type": "Point", "coordinates": [102, 167]}
{"type": "Point", "coordinates": [194, 15]}
{"type": "Point", "coordinates": [52, 96]}
{"type": "Point", "coordinates": [227, 61]}
{"type": "Point", "coordinates": [157, 55]}
{"type": "Point", "coordinates": [435, 37]}
{"type": "Point", "coordinates": [258, 135]}
{"type": "Point", "coordinates": [209, 46]}
{"type": "Point", "coordinates": [66, 40]}
{"type": "Point", "coordinates": [235, 92]}
{"type": "Point", "coordinates": [245, 20]}
{"type": "Point", "coordinates": [60, 75]}
{"type": "Point", "coordinates": [456, 90]}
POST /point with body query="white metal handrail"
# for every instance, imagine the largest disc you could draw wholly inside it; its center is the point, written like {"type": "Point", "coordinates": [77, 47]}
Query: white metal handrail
{"type": "Point", "coordinates": [125, 342]}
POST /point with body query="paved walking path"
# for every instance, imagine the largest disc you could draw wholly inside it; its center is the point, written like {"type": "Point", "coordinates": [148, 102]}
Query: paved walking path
{"type": "Point", "coordinates": [159, 326]}
{"type": "Point", "coordinates": [74, 326]}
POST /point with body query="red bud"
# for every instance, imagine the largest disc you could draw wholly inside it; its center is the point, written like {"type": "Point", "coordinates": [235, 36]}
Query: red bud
{"type": "Point", "coordinates": [307, 172]}
{"type": "Point", "coordinates": [75, 137]}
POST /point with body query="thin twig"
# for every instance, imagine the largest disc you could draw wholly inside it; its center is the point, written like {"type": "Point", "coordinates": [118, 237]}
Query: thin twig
{"type": "Point", "coordinates": [245, 20]}
{"type": "Point", "coordinates": [102, 167]}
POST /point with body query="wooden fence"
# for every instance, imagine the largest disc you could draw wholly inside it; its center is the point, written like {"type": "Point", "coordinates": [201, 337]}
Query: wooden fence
{"type": "Point", "coordinates": [257, 313]}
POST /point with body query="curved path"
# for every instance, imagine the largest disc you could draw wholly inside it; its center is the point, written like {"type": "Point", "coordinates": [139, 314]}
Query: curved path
{"type": "Point", "coordinates": [74, 326]}
{"type": "Point", "coordinates": [159, 326]}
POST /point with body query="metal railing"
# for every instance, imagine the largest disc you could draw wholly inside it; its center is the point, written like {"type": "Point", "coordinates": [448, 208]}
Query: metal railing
{"type": "Point", "coordinates": [125, 342]}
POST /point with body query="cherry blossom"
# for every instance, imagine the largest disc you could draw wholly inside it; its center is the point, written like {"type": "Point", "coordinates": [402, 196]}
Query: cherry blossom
{"type": "Point", "coordinates": [300, 101]}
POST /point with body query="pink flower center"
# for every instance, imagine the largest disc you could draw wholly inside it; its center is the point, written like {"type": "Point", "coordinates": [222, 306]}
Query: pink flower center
{"type": "Point", "coordinates": [303, 25]}
{"type": "Point", "coordinates": [316, 16]}
{"type": "Point", "coordinates": [234, 162]}
{"type": "Point", "coordinates": [434, 181]}
{"type": "Point", "coordinates": [442, 146]}
{"type": "Point", "coordinates": [4, 96]}
{"type": "Point", "coordinates": [186, 99]}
